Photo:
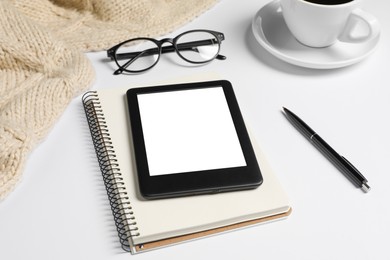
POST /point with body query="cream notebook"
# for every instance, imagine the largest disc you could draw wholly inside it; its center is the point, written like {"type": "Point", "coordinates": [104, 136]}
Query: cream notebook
{"type": "Point", "coordinates": [148, 224]}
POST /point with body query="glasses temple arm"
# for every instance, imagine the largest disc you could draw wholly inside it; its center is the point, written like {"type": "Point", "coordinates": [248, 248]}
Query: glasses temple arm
{"type": "Point", "coordinates": [191, 46]}
{"type": "Point", "coordinates": [128, 63]}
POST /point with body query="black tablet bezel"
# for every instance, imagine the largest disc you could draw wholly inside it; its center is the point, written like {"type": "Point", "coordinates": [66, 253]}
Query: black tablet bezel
{"type": "Point", "coordinates": [197, 182]}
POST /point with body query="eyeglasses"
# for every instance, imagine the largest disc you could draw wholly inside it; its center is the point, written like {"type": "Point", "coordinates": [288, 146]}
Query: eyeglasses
{"type": "Point", "coordinates": [140, 54]}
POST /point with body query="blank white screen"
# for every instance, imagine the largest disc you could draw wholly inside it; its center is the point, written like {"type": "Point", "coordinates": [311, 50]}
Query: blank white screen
{"type": "Point", "coordinates": [189, 130]}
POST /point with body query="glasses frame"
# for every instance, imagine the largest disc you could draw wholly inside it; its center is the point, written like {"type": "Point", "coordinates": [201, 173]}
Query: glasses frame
{"type": "Point", "coordinates": [174, 47]}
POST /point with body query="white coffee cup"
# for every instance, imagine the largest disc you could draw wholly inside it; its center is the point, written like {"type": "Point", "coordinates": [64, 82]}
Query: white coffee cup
{"type": "Point", "coordinates": [322, 23]}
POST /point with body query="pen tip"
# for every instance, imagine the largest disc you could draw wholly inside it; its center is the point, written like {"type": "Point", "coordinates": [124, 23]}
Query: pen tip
{"type": "Point", "coordinates": [365, 187]}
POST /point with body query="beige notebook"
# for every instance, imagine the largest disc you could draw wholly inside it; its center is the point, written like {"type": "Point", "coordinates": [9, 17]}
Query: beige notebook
{"type": "Point", "coordinates": [148, 224]}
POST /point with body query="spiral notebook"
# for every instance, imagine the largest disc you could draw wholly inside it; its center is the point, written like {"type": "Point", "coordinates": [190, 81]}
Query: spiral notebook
{"type": "Point", "coordinates": [149, 224]}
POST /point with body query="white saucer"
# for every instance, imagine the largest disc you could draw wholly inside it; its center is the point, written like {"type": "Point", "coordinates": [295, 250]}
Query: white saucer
{"type": "Point", "coordinates": [270, 30]}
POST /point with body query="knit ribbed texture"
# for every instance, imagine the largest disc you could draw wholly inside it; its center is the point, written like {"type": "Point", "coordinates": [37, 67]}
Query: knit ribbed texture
{"type": "Point", "coordinates": [42, 65]}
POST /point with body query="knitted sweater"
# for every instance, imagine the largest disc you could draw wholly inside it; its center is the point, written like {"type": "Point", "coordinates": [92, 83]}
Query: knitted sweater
{"type": "Point", "coordinates": [42, 65]}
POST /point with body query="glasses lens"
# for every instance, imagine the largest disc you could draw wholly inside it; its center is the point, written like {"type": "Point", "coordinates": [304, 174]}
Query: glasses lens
{"type": "Point", "coordinates": [137, 55]}
{"type": "Point", "coordinates": [198, 46]}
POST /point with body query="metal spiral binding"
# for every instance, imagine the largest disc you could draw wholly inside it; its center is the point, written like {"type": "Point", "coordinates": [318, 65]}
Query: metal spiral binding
{"type": "Point", "coordinates": [112, 177]}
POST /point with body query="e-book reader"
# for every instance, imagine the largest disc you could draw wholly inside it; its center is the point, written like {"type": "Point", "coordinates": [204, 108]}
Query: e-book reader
{"type": "Point", "coordinates": [190, 139]}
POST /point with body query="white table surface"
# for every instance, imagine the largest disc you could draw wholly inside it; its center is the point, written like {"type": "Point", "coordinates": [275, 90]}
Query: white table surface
{"type": "Point", "coordinates": [60, 209]}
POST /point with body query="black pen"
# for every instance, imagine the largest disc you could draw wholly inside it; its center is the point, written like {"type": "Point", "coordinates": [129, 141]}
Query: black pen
{"type": "Point", "coordinates": [341, 162]}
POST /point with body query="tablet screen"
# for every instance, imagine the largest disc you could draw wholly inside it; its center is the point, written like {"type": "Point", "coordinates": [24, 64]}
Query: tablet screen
{"type": "Point", "coordinates": [189, 130]}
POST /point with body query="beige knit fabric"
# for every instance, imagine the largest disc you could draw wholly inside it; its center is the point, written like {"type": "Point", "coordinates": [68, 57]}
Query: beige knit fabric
{"type": "Point", "coordinates": [42, 66]}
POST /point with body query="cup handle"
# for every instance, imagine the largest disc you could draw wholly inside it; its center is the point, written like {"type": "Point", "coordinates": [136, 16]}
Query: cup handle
{"type": "Point", "coordinates": [356, 17]}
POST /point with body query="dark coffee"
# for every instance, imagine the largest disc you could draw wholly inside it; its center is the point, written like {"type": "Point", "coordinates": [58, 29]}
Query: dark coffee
{"type": "Point", "coordinates": [329, 2]}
